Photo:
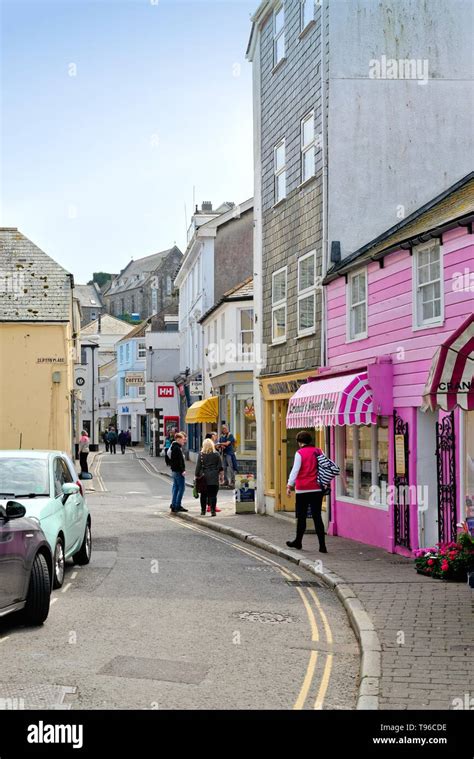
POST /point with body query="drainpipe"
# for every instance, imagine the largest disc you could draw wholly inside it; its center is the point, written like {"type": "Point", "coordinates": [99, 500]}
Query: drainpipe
{"type": "Point", "coordinates": [325, 182]}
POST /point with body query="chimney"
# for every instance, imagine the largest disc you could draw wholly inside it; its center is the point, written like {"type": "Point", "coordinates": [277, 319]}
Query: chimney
{"type": "Point", "coordinates": [99, 323]}
{"type": "Point", "coordinates": [206, 206]}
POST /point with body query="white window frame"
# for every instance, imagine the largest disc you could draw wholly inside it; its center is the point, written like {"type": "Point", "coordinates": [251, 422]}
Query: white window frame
{"type": "Point", "coordinates": [277, 305]}
{"type": "Point", "coordinates": [306, 148]}
{"type": "Point", "coordinates": [303, 3]}
{"type": "Point", "coordinates": [306, 293]}
{"type": "Point", "coordinates": [362, 335]}
{"type": "Point", "coordinates": [141, 352]}
{"type": "Point", "coordinates": [278, 35]}
{"type": "Point", "coordinates": [279, 172]}
{"type": "Point", "coordinates": [436, 321]}
{"type": "Point", "coordinates": [248, 356]}
{"type": "Point", "coordinates": [141, 391]}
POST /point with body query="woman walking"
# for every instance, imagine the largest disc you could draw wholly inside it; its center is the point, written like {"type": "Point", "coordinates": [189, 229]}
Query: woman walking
{"type": "Point", "coordinates": [209, 466]}
{"type": "Point", "coordinates": [304, 479]}
{"type": "Point", "coordinates": [84, 450]}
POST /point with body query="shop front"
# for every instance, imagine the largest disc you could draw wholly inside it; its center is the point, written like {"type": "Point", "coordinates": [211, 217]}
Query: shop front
{"type": "Point", "coordinates": [280, 442]}
{"type": "Point", "coordinates": [237, 411]}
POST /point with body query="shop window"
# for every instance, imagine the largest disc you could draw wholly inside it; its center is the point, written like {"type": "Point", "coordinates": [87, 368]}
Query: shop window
{"type": "Point", "coordinates": [363, 457]}
{"type": "Point", "coordinates": [306, 294]}
{"type": "Point", "coordinates": [246, 426]}
{"type": "Point", "coordinates": [279, 154]}
{"type": "Point", "coordinates": [428, 285]}
{"type": "Point", "coordinates": [279, 305]}
{"type": "Point", "coordinates": [278, 35]}
{"type": "Point", "coordinates": [357, 302]}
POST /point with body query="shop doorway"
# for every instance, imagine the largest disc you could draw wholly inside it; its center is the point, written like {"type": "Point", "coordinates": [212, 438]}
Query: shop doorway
{"type": "Point", "coordinates": [288, 448]}
{"type": "Point", "coordinates": [446, 467]}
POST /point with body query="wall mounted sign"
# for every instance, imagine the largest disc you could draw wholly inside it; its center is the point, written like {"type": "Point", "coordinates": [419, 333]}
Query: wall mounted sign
{"type": "Point", "coordinates": [165, 391]}
{"type": "Point", "coordinates": [80, 381]}
{"type": "Point", "coordinates": [135, 378]}
{"type": "Point", "coordinates": [50, 360]}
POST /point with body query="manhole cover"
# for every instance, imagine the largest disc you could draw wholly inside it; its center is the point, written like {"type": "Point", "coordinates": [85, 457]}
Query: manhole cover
{"type": "Point", "coordinates": [42, 696]}
{"type": "Point", "coordinates": [267, 617]}
{"type": "Point", "coordinates": [155, 669]}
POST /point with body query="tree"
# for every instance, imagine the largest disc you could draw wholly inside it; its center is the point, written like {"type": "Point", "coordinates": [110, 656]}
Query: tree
{"type": "Point", "coordinates": [100, 278]}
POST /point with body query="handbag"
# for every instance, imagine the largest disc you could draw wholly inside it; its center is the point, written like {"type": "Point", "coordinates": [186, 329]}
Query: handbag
{"type": "Point", "coordinates": [327, 471]}
{"type": "Point", "coordinates": [200, 483]}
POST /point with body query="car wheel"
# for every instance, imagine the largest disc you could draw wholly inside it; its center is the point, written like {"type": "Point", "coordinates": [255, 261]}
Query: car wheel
{"type": "Point", "coordinates": [39, 590]}
{"type": "Point", "coordinates": [58, 564]}
{"type": "Point", "coordinates": [83, 556]}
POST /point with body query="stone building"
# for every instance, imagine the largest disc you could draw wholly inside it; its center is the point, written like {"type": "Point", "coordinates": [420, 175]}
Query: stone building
{"type": "Point", "coordinates": [144, 287]}
{"type": "Point", "coordinates": [90, 300]}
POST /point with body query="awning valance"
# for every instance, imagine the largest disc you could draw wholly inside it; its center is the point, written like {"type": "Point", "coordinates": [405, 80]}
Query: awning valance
{"type": "Point", "coordinates": [451, 379]}
{"type": "Point", "coordinates": [203, 411]}
{"type": "Point", "coordinates": [332, 401]}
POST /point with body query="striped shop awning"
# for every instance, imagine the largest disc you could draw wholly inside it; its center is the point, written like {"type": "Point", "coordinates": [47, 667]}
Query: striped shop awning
{"type": "Point", "coordinates": [332, 401]}
{"type": "Point", "coordinates": [451, 379]}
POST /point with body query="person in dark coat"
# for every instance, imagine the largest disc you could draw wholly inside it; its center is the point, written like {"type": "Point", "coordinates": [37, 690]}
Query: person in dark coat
{"type": "Point", "coordinates": [209, 465]}
{"type": "Point", "coordinates": [112, 440]}
{"type": "Point", "coordinates": [104, 439]}
{"type": "Point", "coordinates": [123, 438]}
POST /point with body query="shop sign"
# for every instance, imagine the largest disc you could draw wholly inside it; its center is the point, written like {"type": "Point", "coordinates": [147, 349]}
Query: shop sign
{"type": "Point", "coordinates": [165, 391]}
{"type": "Point", "coordinates": [288, 386]}
{"type": "Point", "coordinates": [124, 410]}
{"type": "Point", "coordinates": [135, 378]}
{"type": "Point", "coordinates": [400, 455]}
{"type": "Point", "coordinates": [196, 387]}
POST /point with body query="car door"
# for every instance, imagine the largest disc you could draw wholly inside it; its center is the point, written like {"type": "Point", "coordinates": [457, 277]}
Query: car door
{"type": "Point", "coordinates": [13, 551]}
{"type": "Point", "coordinates": [73, 510]}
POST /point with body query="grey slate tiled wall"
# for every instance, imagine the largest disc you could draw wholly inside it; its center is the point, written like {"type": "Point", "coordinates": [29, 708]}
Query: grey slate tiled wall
{"type": "Point", "coordinates": [293, 227]}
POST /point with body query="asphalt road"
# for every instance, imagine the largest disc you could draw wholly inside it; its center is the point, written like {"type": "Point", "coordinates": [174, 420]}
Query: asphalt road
{"type": "Point", "coordinates": [169, 615]}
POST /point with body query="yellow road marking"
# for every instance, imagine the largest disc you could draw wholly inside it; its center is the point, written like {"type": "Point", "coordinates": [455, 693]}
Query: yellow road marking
{"type": "Point", "coordinates": [326, 624]}
{"type": "Point", "coordinates": [318, 704]}
{"type": "Point", "coordinates": [53, 601]}
{"type": "Point", "coordinates": [299, 703]}
{"type": "Point", "coordinates": [312, 621]}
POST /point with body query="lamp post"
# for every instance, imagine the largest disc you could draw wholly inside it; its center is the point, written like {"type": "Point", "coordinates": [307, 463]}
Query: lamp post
{"type": "Point", "coordinates": [93, 347]}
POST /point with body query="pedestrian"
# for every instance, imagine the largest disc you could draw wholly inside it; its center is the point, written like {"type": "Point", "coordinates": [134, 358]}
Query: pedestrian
{"type": "Point", "coordinates": [122, 439]}
{"type": "Point", "coordinates": [83, 450]}
{"type": "Point", "coordinates": [208, 468]}
{"type": "Point", "coordinates": [105, 441]}
{"type": "Point", "coordinates": [309, 494]}
{"type": "Point", "coordinates": [211, 436]}
{"type": "Point", "coordinates": [227, 448]}
{"type": "Point", "coordinates": [178, 465]}
{"type": "Point", "coordinates": [169, 440]}
{"type": "Point", "coordinates": [112, 439]}
{"type": "Point", "coordinates": [129, 437]}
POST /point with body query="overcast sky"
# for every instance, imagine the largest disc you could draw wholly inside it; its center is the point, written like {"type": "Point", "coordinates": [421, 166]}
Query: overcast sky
{"type": "Point", "coordinates": [112, 111]}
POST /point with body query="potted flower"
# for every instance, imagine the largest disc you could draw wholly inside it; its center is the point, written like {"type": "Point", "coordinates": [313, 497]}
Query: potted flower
{"type": "Point", "coordinates": [447, 561]}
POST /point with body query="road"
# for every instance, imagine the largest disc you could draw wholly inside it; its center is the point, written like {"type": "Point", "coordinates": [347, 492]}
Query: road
{"type": "Point", "coordinates": [169, 615]}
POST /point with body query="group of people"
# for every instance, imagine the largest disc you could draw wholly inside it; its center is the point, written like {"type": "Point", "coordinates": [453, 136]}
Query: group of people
{"type": "Point", "coordinates": [111, 438]}
{"type": "Point", "coordinates": [216, 467]}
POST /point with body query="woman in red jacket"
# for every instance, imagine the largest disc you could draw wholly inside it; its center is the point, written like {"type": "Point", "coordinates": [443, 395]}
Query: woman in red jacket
{"type": "Point", "coordinates": [303, 479]}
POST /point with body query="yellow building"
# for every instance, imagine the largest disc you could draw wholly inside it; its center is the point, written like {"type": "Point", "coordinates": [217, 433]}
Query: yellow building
{"type": "Point", "coordinates": [39, 317]}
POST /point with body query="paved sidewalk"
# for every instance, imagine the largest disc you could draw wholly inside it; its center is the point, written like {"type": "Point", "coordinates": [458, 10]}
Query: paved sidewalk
{"type": "Point", "coordinates": [423, 628]}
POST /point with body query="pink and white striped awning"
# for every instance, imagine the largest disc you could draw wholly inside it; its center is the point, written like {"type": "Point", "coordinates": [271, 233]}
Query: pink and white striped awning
{"type": "Point", "coordinates": [332, 401]}
{"type": "Point", "coordinates": [451, 379]}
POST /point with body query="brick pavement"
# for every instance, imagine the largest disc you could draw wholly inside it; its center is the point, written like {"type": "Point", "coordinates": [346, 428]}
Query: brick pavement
{"type": "Point", "coordinates": [425, 626]}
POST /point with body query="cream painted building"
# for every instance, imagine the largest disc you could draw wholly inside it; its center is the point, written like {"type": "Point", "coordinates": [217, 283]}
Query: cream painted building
{"type": "Point", "coordinates": [39, 324]}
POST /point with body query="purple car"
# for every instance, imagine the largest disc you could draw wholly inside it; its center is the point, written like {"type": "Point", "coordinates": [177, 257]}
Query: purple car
{"type": "Point", "coordinates": [26, 565]}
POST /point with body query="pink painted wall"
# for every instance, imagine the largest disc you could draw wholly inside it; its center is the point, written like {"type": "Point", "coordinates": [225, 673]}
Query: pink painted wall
{"type": "Point", "coordinates": [390, 317]}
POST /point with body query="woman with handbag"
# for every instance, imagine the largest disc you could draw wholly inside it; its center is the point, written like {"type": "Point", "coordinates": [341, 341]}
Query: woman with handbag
{"type": "Point", "coordinates": [207, 476]}
{"type": "Point", "coordinates": [310, 475]}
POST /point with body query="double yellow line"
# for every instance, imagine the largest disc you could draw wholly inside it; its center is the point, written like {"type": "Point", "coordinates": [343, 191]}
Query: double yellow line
{"type": "Point", "coordinates": [307, 602]}
{"type": "Point", "coordinates": [97, 474]}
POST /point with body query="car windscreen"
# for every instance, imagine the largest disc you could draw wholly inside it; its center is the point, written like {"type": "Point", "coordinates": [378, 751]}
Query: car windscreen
{"type": "Point", "coordinates": [23, 477]}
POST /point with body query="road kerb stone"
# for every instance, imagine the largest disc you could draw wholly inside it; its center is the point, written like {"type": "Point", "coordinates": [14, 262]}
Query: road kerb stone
{"type": "Point", "coordinates": [371, 660]}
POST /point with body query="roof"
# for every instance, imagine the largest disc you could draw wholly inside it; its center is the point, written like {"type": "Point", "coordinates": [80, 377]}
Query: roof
{"type": "Point", "coordinates": [137, 272]}
{"type": "Point", "coordinates": [109, 325]}
{"type": "Point", "coordinates": [242, 291]}
{"type": "Point", "coordinates": [452, 207]}
{"type": "Point", "coordinates": [33, 286]}
{"type": "Point", "coordinates": [138, 331]}
{"type": "Point", "coordinates": [89, 296]}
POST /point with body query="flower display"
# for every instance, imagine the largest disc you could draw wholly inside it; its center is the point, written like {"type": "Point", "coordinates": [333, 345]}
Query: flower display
{"type": "Point", "coordinates": [447, 561]}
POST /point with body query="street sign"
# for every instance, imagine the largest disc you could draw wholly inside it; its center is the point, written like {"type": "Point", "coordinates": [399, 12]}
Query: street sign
{"type": "Point", "coordinates": [196, 387]}
{"type": "Point", "coordinates": [80, 381]}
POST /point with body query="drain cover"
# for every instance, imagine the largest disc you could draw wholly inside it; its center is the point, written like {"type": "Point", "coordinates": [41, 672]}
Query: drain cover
{"type": "Point", "coordinates": [304, 583]}
{"type": "Point", "coordinates": [267, 617]}
{"type": "Point", "coordinates": [155, 669]}
{"type": "Point", "coordinates": [42, 696]}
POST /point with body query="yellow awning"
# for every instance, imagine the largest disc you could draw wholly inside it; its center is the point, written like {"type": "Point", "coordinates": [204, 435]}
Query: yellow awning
{"type": "Point", "coordinates": [203, 411]}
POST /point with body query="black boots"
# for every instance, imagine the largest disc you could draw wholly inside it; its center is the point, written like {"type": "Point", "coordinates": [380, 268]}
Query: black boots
{"type": "Point", "coordinates": [294, 544]}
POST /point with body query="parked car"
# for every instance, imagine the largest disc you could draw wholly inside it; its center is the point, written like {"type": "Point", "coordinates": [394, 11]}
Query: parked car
{"type": "Point", "coordinates": [46, 484]}
{"type": "Point", "coordinates": [26, 565]}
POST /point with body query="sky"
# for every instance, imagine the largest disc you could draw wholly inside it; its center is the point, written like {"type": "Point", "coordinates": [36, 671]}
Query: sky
{"type": "Point", "coordinates": [115, 114]}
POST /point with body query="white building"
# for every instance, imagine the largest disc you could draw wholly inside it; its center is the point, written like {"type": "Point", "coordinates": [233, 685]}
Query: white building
{"type": "Point", "coordinates": [162, 394]}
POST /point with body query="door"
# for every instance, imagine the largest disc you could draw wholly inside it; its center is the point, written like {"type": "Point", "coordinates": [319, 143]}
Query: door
{"type": "Point", "coordinates": [446, 467]}
{"type": "Point", "coordinates": [70, 512]}
{"type": "Point", "coordinates": [401, 509]}
{"type": "Point", "coordinates": [12, 561]}
{"type": "Point", "coordinates": [288, 448]}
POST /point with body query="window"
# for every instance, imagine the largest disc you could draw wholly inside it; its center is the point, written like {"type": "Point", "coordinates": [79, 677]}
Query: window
{"type": "Point", "coordinates": [279, 305]}
{"type": "Point", "coordinates": [246, 426]}
{"type": "Point", "coordinates": [357, 299]}
{"type": "Point", "coordinates": [246, 334]}
{"type": "Point", "coordinates": [363, 453]}
{"type": "Point", "coordinates": [428, 307]}
{"type": "Point", "coordinates": [278, 35]}
{"type": "Point", "coordinates": [142, 350]}
{"type": "Point", "coordinates": [83, 355]}
{"type": "Point", "coordinates": [61, 475]}
{"type": "Point", "coordinates": [169, 285]}
{"type": "Point", "coordinates": [154, 300]}
{"type": "Point", "coordinates": [127, 352]}
{"type": "Point", "coordinates": [308, 147]}
{"type": "Point", "coordinates": [215, 331]}
{"type": "Point", "coordinates": [141, 390]}
{"type": "Point", "coordinates": [280, 171]}
{"type": "Point", "coordinates": [307, 13]}
{"type": "Point", "coordinates": [306, 294]}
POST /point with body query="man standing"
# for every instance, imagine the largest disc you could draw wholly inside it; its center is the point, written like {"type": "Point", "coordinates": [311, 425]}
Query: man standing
{"type": "Point", "coordinates": [106, 442]}
{"type": "Point", "coordinates": [227, 447]}
{"type": "Point", "coordinates": [123, 438]}
{"type": "Point", "coordinates": [112, 440]}
{"type": "Point", "coordinates": [178, 465]}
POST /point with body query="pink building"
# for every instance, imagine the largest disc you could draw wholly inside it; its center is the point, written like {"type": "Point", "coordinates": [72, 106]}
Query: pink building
{"type": "Point", "coordinates": [397, 394]}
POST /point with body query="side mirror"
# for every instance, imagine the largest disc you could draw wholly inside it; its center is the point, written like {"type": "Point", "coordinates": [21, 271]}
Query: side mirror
{"type": "Point", "coordinates": [13, 510]}
{"type": "Point", "coordinates": [69, 488]}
